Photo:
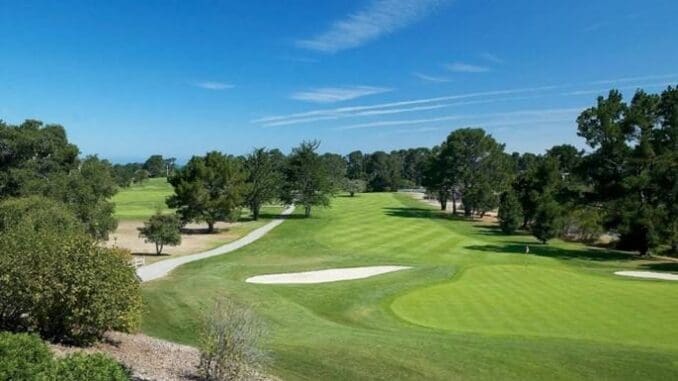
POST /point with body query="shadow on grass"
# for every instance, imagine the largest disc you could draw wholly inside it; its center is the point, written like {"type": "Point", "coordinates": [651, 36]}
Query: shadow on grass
{"type": "Point", "coordinates": [664, 266]}
{"type": "Point", "coordinates": [556, 252]}
{"type": "Point", "coordinates": [495, 230]}
{"type": "Point", "coordinates": [405, 212]}
{"type": "Point", "coordinates": [150, 255]}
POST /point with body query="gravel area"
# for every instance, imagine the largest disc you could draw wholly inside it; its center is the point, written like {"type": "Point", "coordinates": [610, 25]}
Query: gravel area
{"type": "Point", "coordinates": [648, 275]}
{"type": "Point", "coordinates": [324, 276]}
{"type": "Point", "coordinates": [148, 358]}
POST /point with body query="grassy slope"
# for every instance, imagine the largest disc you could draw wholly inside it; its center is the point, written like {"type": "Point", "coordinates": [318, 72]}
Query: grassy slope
{"type": "Point", "coordinates": [473, 307]}
{"type": "Point", "coordinates": [139, 202]}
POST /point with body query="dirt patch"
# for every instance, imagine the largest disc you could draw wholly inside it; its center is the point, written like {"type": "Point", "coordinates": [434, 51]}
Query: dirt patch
{"type": "Point", "coordinates": [193, 239]}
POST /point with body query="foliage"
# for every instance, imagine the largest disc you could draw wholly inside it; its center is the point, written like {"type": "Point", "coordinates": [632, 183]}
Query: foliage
{"type": "Point", "coordinates": [125, 174]}
{"type": "Point", "coordinates": [24, 357]}
{"type": "Point", "coordinates": [510, 212]}
{"type": "Point", "coordinates": [156, 166]}
{"type": "Point", "coordinates": [335, 166]}
{"type": "Point", "coordinates": [37, 159]}
{"type": "Point", "coordinates": [230, 347]}
{"type": "Point", "coordinates": [383, 172]}
{"type": "Point", "coordinates": [355, 186]}
{"type": "Point", "coordinates": [477, 166]}
{"type": "Point", "coordinates": [65, 286]}
{"type": "Point", "coordinates": [633, 166]}
{"type": "Point", "coordinates": [264, 179]}
{"type": "Point", "coordinates": [548, 220]}
{"type": "Point", "coordinates": [89, 367]}
{"type": "Point", "coordinates": [162, 229]}
{"type": "Point", "coordinates": [38, 213]}
{"type": "Point", "coordinates": [306, 179]}
{"type": "Point", "coordinates": [583, 223]}
{"type": "Point", "coordinates": [209, 188]}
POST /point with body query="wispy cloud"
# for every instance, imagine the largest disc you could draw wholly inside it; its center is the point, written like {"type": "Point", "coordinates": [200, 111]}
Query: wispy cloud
{"type": "Point", "coordinates": [379, 18]}
{"type": "Point", "coordinates": [431, 78]}
{"type": "Point", "coordinates": [212, 85]}
{"type": "Point", "coordinates": [299, 59]}
{"type": "Point", "coordinates": [544, 114]}
{"type": "Point", "coordinates": [337, 94]}
{"type": "Point", "coordinates": [461, 67]}
{"type": "Point", "coordinates": [634, 79]}
{"type": "Point", "coordinates": [492, 58]}
{"type": "Point", "coordinates": [395, 107]}
{"type": "Point", "coordinates": [604, 91]}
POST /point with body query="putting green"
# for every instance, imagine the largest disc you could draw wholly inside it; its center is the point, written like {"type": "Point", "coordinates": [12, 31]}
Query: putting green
{"type": "Point", "coordinates": [540, 301]}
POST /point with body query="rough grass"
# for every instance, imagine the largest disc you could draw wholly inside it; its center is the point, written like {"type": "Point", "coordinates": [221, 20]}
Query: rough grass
{"type": "Point", "coordinates": [473, 307]}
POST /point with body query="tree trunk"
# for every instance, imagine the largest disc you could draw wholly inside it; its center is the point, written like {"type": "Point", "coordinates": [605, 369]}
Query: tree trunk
{"type": "Point", "coordinates": [443, 203]}
{"type": "Point", "coordinates": [307, 211]}
{"type": "Point", "coordinates": [454, 203]}
{"type": "Point", "coordinates": [255, 211]}
{"type": "Point", "coordinates": [158, 248]}
{"type": "Point", "coordinates": [351, 193]}
{"type": "Point", "coordinates": [210, 227]}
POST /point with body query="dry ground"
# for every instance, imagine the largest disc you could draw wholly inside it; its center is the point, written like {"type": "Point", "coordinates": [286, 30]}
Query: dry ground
{"type": "Point", "coordinates": [193, 240]}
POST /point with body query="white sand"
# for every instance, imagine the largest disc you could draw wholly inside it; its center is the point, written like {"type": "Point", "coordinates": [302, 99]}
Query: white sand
{"type": "Point", "coordinates": [324, 276]}
{"type": "Point", "coordinates": [648, 275]}
{"type": "Point", "coordinates": [162, 268]}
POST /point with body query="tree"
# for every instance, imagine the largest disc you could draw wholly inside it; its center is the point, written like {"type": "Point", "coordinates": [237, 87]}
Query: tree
{"type": "Point", "coordinates": [264, 179]}
{"type": "Point", "coordinates": [355, 168]}
{"type": "Point", "coordinates": [306, 179]}
{"type": "Point", "coordinates": [510, 212]}
{"type": "Point", "coordinates": [336, 170]}
{"type": "Point", "coordinates": [355, 186]}
{"type": "Point", "coordinates": [548, 220]}
{"type": "Point", "coordinates": [209, 189]}
{"type": "Point", "coordinates": [634, 150]}
{"type": "Point", "coordinates": [156, 166]}
{"type": "Point", "coordinates": [162, 229]}
{"type": "Point", "coordinates": [477, 166]}
{"type": "Point", "coordinates": [438, 179]}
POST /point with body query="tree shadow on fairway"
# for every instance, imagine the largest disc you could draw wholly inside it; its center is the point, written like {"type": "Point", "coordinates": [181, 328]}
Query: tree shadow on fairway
{"type": "Point", "coordinates": [405, 212]}
{"type": "Point", "coordinates": [592, 254]}
{"type": "Point", "coordinates": [662, 266]}
{"type": "Point", "coordinates": [495, 230]}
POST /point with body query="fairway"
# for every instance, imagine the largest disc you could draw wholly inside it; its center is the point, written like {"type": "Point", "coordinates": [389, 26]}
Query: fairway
{"type": "Point", "coordinates": [140, 201]}
{"type": "Point", "coordinates": [473, 305]}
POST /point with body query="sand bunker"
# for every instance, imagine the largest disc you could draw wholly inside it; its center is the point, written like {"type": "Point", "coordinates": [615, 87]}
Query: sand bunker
{"type": "Point", "coordinates": [648, 275]}
{"type": "Point", "coordinates": [324, 276]}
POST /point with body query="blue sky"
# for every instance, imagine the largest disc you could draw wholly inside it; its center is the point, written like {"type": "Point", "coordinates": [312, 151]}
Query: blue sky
{"type": "Point", "coordinates": [132, 78]}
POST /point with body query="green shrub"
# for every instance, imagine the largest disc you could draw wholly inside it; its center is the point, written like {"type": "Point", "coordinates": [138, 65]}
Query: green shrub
{"type": "Point", "coordinates": [39, 213]}
{"type": "Point", "coordinates": [23, 357]}
{"type": "Point", "coordinates": [64, 286]}
{"type": "Point", "coordinates": [89, 367]}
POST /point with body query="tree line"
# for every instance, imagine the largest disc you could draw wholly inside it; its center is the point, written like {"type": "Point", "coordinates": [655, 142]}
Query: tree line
{"type": "Point", "coordinates": [625, 184]}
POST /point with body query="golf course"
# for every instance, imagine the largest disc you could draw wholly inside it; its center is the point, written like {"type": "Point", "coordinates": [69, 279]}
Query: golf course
{"type": "Point", "coordinates": [473, 305]}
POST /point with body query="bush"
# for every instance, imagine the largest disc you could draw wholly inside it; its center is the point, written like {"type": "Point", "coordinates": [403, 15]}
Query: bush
{"type": "Point", "coordinates": [38, 212]}
{"type": "Point", "coordinates": [64, 286]}
{"type": "Point", "coordinates": [23, 357]}
{"type": "Point", "coordinates": [229, 344]}
{"type": "Point", "coordinates": [89, 367]}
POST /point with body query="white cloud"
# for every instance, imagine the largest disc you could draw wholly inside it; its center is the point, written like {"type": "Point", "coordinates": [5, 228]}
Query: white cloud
{"type": "Point", "coordinates": [634, 79]}
{"type": "Point", "coordinates": [492, 58]}
{"type": "Point", "coordinates": [461, 67]}
{"type": "Point", "coordinates": [212, 85]}
{"type": "Point", "coordinates": [379, 18]}
{"type": "Point", "coordinates": [431, 78]}
{"type": "Point", "coordinates": [337, 94]}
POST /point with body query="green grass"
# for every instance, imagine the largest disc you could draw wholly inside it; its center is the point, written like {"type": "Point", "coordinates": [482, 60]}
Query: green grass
{"type": "Point", "coordinates": [139, 202]}
{"type": "Point", "coordinates": [474, 307]}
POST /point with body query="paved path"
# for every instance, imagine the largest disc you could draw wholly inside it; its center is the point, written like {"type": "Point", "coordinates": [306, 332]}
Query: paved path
{"type": "Point", "coordinates": [162, 268]}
